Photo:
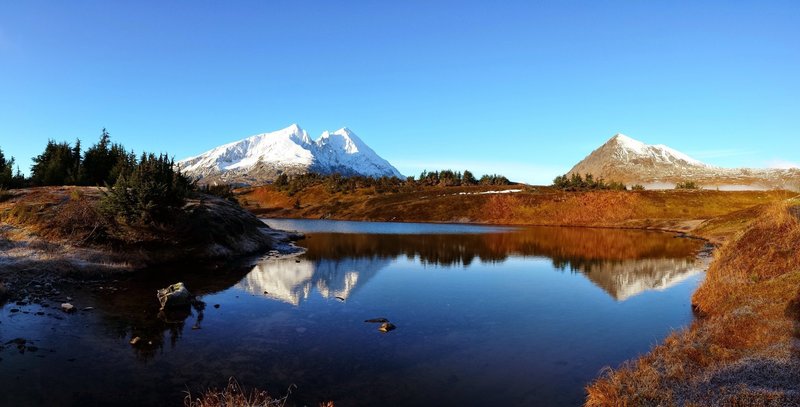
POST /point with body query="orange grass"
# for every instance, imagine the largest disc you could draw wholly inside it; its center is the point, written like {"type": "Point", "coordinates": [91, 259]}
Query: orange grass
{"type": "Point", "coordinates": [740, 352]}
{"type": "Point", "coordinates": [678, 210]}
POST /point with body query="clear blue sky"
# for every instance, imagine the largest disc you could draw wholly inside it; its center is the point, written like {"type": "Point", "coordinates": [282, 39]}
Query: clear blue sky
{"type": "Point", "coordinates": [522, 88]}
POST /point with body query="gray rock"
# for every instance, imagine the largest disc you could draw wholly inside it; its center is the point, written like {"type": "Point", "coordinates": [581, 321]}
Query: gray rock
{"type": "Point", "coordinates": [175, 295]}
{"type": "Point", "coordinates": [386, 327]}
{"type": "Point", "coordinates": [67, 307]}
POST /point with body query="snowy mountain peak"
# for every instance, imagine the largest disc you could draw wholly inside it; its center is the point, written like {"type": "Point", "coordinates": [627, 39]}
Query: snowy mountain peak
{"type": "Point", "coordinates": [630, 150]}
{"type": "Point", "coordinates": [631, 161]}
{"type": "Point", "coordinates": [261, 158]}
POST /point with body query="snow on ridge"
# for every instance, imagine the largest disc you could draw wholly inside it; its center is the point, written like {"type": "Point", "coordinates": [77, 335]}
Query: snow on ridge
{"type": "Point", "coordinates": [629, 148]}
{"type": "Point", "coordinates": [291, 147]}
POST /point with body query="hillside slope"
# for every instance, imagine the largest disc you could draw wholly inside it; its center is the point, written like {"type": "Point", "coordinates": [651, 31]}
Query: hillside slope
{"type": "Point", "coordinates": [630, 161]}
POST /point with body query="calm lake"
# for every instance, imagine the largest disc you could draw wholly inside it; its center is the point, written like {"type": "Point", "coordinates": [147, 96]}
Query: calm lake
{"type": "Point", "coordinates": [484, 316]}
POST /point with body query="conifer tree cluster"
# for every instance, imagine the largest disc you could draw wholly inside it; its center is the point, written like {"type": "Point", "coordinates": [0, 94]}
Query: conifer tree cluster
{"type": "Point", "coordinates": [450, 178]}
{"type": "Point", "coordinates": [140, 190]}
{"type": "Point", "coordinates": [576, 182]}
{"type": "Point", "coordinates": [9, 179]}
{"type": "Point", "coordinates": [150, 193]}
{"type": "Point", "coordinates": [62, 164]}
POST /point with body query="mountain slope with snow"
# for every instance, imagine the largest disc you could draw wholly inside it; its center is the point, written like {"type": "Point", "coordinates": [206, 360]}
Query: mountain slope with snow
{"type": "Point", "coordinates": [630, 161]}
{"type": "Point", "coordinates": [261, 158]}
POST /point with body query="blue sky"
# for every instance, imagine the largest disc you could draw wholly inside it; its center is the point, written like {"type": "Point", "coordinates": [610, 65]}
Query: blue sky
{"type": "Point", "coordinates": [526, 89]}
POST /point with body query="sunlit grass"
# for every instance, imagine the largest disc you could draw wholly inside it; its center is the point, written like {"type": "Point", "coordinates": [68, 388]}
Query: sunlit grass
{"type": "Point", "coordinates": [740, 351]}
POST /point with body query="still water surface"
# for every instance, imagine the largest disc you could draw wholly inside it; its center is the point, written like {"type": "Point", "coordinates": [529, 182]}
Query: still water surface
{"type": "Point", "coordinates": [484, 316]}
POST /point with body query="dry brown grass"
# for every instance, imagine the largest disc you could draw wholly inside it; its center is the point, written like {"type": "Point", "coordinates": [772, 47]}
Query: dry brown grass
{"type": "Point", "coordinates": [63, 226]}
{"type": "Point", "coordinates": [674, 210]}
{"type": "Point", "coordinates": [741, 351]}
{"type": "Point", "coordinates": [233, 395]}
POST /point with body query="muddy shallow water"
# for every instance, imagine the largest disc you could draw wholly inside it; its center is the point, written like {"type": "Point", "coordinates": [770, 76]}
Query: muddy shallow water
{"type": "Point", "coordinates": [484, 316]}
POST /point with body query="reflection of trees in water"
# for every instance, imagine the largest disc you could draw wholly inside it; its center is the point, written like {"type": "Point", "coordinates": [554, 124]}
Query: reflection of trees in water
{"type": "Point", "coordinates": [566, 246]}
{"type": "Point", "coordinates": [621, 262]}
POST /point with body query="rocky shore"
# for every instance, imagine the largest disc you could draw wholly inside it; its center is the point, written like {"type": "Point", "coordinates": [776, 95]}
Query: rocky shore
{"type": "Point", "coordinates": [54, 235]}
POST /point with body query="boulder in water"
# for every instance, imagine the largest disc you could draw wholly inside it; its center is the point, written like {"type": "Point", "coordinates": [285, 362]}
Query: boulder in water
{"type": "Point", "coordinates": [175, 295]}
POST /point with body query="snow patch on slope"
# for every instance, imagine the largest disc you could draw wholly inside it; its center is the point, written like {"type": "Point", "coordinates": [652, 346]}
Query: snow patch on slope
{"type": "Point", "coordinates": [630, 149]}
{"type": "Point", "coordinates": [291, 148]}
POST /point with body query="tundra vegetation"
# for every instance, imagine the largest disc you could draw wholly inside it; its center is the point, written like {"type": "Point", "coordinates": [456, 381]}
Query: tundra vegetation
{"type": "Point", "coordinates": [576, 182]}
{"type": "Point", "coordinates": [108, 209]}
{"type": "Point", "coordinates": [338, 183]}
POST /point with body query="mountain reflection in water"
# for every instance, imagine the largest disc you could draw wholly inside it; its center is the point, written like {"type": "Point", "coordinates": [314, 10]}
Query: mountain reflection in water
{"type": "Point", "coordinates": [623, 263]}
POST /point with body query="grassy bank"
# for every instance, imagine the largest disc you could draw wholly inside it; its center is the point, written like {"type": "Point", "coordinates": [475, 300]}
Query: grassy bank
{"type": "Point", "coordinates": [742, 350]}
{"type": "Point", "coordinates": [673, 209]}
{"type": "Point", "coordinates": [63, 232]}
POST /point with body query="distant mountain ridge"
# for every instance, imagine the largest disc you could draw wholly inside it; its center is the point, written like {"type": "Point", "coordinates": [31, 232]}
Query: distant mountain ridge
{"type": "Point", "coordinates": [630, 161]}
{"type": "Point", "coordinates": [261, 158]}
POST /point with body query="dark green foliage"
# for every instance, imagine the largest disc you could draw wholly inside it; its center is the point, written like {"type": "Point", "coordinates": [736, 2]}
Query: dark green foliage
{"type": "Point", "coordinates": [151, 193]}
{"type": "Point", "coordinates": [468, 178]}
{"type": "Point", "coordinates": [282, 181]}
{"type": "Point", "coordinates": [6, 175]}
{"type": "Point", "coordinates": [57, 165]}
{"type": "Point", "coordinates": [687, 185]}
{"type": "Point", "coordinates": [577, 183]}
{"type": "Point", "coordinates": [337, 183]}
{"type": "Point", "coordinates": [449, 178]}
{"type": "Point", "coordinates": [104, 162]}
{"type": "Point", "coordinates": [637, 187]}
{"type": "Point", "coordinates": [494, 179]}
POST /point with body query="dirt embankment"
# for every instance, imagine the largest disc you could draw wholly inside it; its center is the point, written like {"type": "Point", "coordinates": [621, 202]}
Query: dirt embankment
{"type": "Point", "coordinates": [60, 232]}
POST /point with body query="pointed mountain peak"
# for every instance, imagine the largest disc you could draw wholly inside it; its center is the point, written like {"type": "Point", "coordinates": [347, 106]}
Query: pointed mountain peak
{"type": "Point", "coordinates": [260, 158]}
{"type": "Point", "coordinates": [627, 143]}
{"type": "Point", "coordinates": [344, 131]}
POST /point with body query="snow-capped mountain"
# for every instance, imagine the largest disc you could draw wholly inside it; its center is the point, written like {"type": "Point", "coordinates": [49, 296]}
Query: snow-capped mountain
{"type": "Point", "coordinates": [261, 158]}
{"type": "Point", "coordinates": [630, 161]}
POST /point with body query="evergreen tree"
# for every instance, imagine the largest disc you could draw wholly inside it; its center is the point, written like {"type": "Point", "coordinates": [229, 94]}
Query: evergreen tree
{"type": "Point", "coordinates": [6, 177]}
{"type": "Point", "coordinates": [55, 166]}
{"type": "Point", "coordinates": [468, 178]}
{"type": "Point", "coordinates": [151, 193]}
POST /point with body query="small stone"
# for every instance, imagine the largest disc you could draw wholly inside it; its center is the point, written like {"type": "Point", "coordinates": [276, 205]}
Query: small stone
{"type": "Point", "coordinates": [87, 309]}
{"type": "Point", "coordinates": [69, 299]}
{"type": "Point", "coordinates": [135, 340]}
{"type": "Point", "coordinates": [386, 327]}
{"type": "Point", "coordinates": [14, 310]}
{"type": "Point", "coordinates": [216, 305]}
{"type": "Point", "coordinates": [40, 313]}
{"type": "Point", "coordinates": [67, 307]}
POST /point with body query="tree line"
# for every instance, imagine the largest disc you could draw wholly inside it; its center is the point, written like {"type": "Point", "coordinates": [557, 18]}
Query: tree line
{"type": "Point", "coordinates": [338, 183]}
{"type": "Point", "coordinates": [576, 182]}
{"type": "Point", "coordinates": [140, 190]}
